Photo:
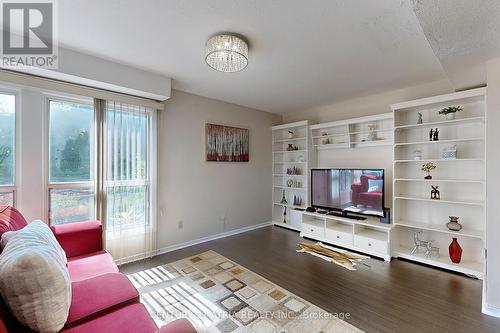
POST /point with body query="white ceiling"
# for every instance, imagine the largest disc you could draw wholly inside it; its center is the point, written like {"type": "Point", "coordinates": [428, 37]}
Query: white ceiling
{"type": "Point", "coordinates": [302, 53]}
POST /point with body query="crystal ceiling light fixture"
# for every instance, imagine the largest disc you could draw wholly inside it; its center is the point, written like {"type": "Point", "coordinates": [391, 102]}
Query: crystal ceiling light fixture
{"type": "Point", "coordinates": [227, 53]}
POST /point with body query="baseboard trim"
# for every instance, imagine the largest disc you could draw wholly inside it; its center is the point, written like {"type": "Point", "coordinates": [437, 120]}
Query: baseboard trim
{"type": "Point", "coordinates": [179, 246]}
{"type": "Point", "coordinates": [286, 226]}
{"type": "Point", "coordinates": [191, 243]}
{"type": "Point", "coordinates": [211, 238]}
{"type": "Point", "coordinates": [137, 257]}
{"type": "Point", "coordinates": [491, 311]}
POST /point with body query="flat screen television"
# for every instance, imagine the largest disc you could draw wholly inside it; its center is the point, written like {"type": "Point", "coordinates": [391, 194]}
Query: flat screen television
{"type": "Point", "coordinates": [359, 191]}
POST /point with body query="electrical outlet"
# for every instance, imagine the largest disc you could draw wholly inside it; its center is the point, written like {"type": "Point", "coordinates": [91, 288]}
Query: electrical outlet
{"type": "Point", "coordinates": [180, 224]}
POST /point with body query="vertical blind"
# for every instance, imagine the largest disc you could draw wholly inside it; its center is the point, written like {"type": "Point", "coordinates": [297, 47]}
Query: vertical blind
{"type": "Point", "coordinates": [130, 233]}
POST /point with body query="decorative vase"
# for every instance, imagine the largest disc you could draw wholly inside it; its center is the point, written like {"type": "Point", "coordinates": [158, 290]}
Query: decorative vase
{"type": "Point", "coordinates": [449, 153]}
{"type": "Point", "coordinates": [455, 251]}
{"type": "Point", "coordinates": [290, 134]}
{"type": "Point", "coordinates": [450, 116]}
{"type": "Point", "coordinates": [453, 224]}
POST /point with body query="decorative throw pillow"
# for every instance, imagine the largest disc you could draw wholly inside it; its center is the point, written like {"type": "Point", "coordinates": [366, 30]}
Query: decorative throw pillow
{"type": "Point", "coordinates": [5, 238]}
{"type": "Point", "coordinates": [45, 234]}
{"type": "Point", "coordinates": [375, 185]}
{"type": "Point", "coordinates": [34, 280]}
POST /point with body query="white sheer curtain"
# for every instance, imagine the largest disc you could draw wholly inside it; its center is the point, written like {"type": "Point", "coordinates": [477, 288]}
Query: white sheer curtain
{"type": "Point", "coordinates": [130, 230]}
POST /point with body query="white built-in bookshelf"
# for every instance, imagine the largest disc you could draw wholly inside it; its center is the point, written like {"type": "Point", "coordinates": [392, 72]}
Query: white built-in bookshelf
{"type": "Point", "coordinates": [295, 184]}
{"type": "Point", "coordinates": [461, 180]}
{"type": "Point", "coordinates": [360, 132]}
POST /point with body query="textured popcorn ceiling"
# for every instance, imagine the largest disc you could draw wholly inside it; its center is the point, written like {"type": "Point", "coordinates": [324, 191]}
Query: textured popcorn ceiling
{"type": "Point", "coordinates": [303, 53]}
{"type": "Point", "coordinates": [463, 34]}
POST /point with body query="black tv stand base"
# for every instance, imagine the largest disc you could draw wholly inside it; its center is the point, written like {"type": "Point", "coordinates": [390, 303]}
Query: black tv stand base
{"type": "Point", "coordinates": [344, 214]}
{"type": "Point", "coordinates": [335, 213]}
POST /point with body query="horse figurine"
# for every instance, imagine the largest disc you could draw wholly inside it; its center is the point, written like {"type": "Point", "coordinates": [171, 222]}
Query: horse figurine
{"type": "Point", "coordinates": [424, 244]}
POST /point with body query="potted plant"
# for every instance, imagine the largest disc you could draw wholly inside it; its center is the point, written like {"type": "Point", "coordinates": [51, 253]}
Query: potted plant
{"type": "Point", "coordinates": [450, 111]}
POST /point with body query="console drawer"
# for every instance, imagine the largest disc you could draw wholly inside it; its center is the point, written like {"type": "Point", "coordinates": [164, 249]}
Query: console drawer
{"type": "Point", "coordinates": [370, 244]}
{"type": "Point", "coordinates": [339, 237]}
{"type": "Point", "coordinates": [313, 230]}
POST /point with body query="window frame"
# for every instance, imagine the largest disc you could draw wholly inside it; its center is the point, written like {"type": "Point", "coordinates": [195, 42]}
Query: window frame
{"type": "Point", "coordinates": [15, 170]}
{"type": "Point", "coordinates": [68, 185]}
{"type": "Point", "coordinates": [10, 188]}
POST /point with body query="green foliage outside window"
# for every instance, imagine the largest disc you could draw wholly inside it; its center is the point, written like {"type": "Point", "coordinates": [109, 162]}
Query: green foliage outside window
{"type": "Point", "coordinates": [70, 141]}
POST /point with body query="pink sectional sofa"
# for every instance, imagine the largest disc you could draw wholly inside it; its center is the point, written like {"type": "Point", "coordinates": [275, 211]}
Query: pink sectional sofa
{"type": "Point", "coordinates": [103, 299]}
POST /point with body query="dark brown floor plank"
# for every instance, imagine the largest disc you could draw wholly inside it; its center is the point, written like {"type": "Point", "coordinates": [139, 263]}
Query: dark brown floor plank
{"type": "Point", "coordinates": [399, 296]}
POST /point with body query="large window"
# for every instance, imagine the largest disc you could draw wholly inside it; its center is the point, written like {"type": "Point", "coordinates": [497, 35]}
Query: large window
{"type": "Point", "coordinates": [113, 140]}
{"type": "Point", "coordinates": [7, 148]}
{"type": "Point", "coordinates": [71, 162]}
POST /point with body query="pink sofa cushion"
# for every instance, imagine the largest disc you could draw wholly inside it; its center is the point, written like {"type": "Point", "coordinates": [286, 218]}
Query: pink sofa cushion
{"type": "Point", "coordinates": [98, 295]}
{"type": "Point", "coordinates": [79, 238]}
{"type": "Point", "coordinates": [130, 319]}
{"type": "Point", "coordinates": [91, 265]}
{"type": "Point", "coordinates": [91, 298]}
{"type": "Point", "coordinates": [11, 219]}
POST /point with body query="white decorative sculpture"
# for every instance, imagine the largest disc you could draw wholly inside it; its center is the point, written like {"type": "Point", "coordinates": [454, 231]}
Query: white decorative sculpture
{"type": "Point", "coordinates": [425, 244]}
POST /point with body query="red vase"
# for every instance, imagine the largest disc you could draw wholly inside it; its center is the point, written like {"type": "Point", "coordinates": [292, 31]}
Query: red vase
{"type": "Point", "coordinates": [455, 251]}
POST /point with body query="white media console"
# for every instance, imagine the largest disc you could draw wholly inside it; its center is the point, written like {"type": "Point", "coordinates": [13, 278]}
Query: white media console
{"type": "Point", "coordinates": [368, 236]}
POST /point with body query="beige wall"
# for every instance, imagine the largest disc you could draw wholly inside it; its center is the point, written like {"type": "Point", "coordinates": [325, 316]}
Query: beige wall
{"type": "Point", "coordinates": [369, 105]}
{"type": "Point", "coordinates": [209, 197]}
{"type": "Point", "coordinates": [493, 186]}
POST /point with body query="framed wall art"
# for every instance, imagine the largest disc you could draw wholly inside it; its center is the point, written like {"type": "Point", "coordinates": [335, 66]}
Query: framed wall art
{"type": "Point", "coordinates": [226, 143]}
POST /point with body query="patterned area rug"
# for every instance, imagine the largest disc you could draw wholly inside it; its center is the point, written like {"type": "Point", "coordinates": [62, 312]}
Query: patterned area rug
{"type": "Point", "coordinates": [218, 295]}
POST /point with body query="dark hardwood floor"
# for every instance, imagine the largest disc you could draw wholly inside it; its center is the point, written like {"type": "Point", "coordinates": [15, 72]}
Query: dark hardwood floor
{"type": "Point", "coordinates": [399, 296]}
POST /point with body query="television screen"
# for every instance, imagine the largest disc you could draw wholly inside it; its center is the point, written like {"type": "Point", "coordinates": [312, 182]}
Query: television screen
{"type": "Point", "coordinates": [358, 191]}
